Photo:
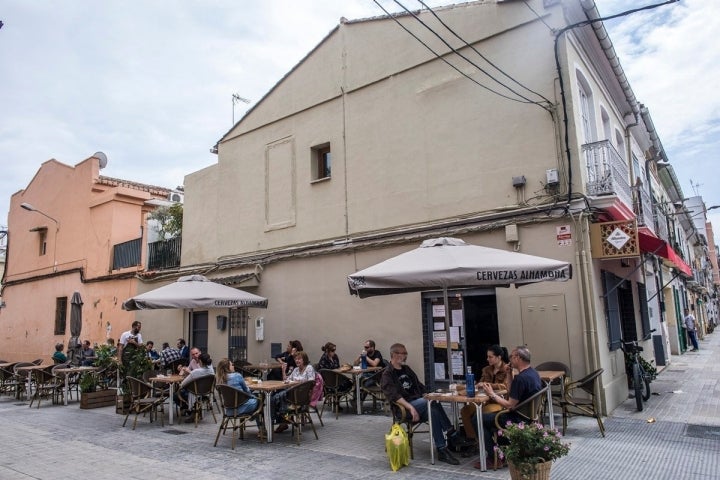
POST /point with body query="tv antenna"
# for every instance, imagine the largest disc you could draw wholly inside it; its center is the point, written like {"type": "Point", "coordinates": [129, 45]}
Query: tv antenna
{"type": "Point", "coordinates": [235, 99]}
{"type": "Point", "coordinates": [695, 187]}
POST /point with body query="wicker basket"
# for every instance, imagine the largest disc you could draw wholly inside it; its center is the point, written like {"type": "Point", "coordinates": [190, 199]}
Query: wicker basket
{"type": "Point", "coordinates": [542, 472]}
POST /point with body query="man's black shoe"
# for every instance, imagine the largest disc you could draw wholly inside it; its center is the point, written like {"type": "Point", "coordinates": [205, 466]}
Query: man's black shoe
{"type": "Point", "coordinates": [444, 455]}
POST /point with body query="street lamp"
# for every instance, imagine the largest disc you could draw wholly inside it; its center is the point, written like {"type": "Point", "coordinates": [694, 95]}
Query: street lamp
{"type": "Point", "coordinates": [30, 208]}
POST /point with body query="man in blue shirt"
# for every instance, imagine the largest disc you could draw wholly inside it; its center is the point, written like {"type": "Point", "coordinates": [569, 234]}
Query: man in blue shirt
{"type": "Point", "coordinates": [524, 385]}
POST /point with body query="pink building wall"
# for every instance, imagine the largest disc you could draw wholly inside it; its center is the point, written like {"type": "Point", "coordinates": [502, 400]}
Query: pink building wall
{"type": "Point", "coordinates": [94, 213]}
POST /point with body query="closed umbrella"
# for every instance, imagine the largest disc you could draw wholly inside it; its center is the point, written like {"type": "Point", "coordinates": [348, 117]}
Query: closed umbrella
{"type": "Point", "coordinates": [76, 304]}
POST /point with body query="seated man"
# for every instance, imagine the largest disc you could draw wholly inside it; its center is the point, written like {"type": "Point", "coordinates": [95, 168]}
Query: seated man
{"type": "Point", "coordinates": [401, 385]}
{"type": "Point", "coordinates": [168, 355]}
{"type": "Point", "coordinates": [524, 385]}
{"type": "Point", "coordinates": [373, 358]}
{"type": "Point", "coordinates": [182, 397]}
{"type": "Point", "coordinates": [87, 354]}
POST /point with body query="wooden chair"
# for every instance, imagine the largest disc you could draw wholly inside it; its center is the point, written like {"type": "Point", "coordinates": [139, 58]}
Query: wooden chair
{"type": "Point", "coordinates": [370, 386]}
{"type": "Point", "coordinates": [141, 401]}
{"type": "Point", "coordinates": [298, 414]}
{"type": "Point", "coordinates": [337, 387]}
{"type": "Point", "coordinates": [404, 418]}
{"type": "Point", "coordinates": [587, 405]}
{"type": "Point", "coordinates": [202, 388]}
{"type": "Point", "coordinates": [45, 385]}
{"type": "Point", "coordinates": [231, 399]}
{"type": "Point", "coordinates": [529, 410]}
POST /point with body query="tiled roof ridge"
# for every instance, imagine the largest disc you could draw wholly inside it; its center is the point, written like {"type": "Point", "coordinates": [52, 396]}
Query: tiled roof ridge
{"type": "Point", "coordinates": [117, 182]}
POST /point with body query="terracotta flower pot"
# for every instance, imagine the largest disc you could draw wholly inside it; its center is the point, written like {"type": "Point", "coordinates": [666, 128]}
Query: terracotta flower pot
{"type": "Point", "coordinates": [542, 472]}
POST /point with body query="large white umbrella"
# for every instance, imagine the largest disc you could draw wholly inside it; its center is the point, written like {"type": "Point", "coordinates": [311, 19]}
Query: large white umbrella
{"type": "Point", "coordinates": [194, 291]}
{"type": "Point", "coordinates": [443, 263]}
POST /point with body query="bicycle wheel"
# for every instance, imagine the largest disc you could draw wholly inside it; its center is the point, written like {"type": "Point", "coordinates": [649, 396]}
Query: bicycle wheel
{"type": "Point", "coordinates": [645, 386]}
{"type": "Point", "coordinates": [637, 386]}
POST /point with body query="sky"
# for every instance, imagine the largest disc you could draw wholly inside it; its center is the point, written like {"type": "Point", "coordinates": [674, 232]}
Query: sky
{"type": "Point", "coordinates": [150, 82]}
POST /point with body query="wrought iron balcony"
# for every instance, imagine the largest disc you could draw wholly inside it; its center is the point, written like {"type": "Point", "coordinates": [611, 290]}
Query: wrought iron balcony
{"type": "Point", "coordinates": [127, 254]}
{"type": "Point", "coordinates": [164, 254]}
{"type": "Point", "coordinates": [606, 172]}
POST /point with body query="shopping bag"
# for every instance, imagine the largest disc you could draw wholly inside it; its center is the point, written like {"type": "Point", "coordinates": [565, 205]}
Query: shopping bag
{"type": "Point", "coordinates": [397, 447]}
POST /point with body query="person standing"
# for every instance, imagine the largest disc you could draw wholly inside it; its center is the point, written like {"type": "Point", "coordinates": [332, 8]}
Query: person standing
{"type": "Point", "coordinates": [524, 385]}
{"type": "Point", "coordinates": [691, 329]}
{"type": "Point", "coordinates": [401, 386]}
{"type": "Point", "coordinates": [129, 341]}
{"type": "Point", "coordinates": [183, 349]}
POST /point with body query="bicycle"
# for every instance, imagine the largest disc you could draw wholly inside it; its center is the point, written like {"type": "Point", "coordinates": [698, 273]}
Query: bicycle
{"type": "Point", "coordinates": [639, 377]}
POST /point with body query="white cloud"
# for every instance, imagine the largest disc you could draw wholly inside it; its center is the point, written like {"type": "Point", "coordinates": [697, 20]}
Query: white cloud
{"type": "Point", "coordinates": [151, 85]}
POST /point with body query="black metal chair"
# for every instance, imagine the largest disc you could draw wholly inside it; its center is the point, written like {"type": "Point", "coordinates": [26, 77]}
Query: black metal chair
{"type": "Point", "coordinates": [298, 413]}
{"type": "Point", "coordinates": [587, 405]}
{"type": "Point", "coordinates": [142, 401]}
{"type": "Point", "coordinates": [337, 387]}
{"type": "Point", "coordinates": [231, 399]}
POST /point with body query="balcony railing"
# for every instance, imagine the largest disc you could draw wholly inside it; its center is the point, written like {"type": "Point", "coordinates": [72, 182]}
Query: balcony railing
{"type": "Point", "coordinates": [127, 254]}
{"type": "Point", "coordinates": [661, 225]}
{"type": "Point", "coordinates": [643, 208]}
{"type": "Point", "coordinates": [607, 173]}
{"type": "Point", "coordinates": [164, 254]}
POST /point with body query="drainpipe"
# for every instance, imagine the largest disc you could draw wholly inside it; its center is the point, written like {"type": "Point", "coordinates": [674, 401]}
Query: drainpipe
{"type": "Point", "coordinates": [592, 359]}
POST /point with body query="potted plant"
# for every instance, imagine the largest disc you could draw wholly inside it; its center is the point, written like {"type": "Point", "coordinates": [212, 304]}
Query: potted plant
{"type": "Point", "coordinates": [530, 449]}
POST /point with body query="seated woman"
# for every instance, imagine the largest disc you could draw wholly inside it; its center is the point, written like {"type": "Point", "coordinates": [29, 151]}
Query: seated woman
{"type": "Point", "coordinates": [499, 374]}
{"type": "Point", "coordinates": [59, 356]}
{"type": "Point", "coordinates": [329, 360]}
{"type": "Point", "coordinates": [303, 372]}
{"type": "Point", "coordinates": [225, 373]}
{"type": "Point", "coordinates": [182, 397]}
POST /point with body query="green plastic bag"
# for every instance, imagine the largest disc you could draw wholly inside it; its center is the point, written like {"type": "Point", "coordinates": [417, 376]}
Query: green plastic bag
{"type": "Point", "coordinates": [397, 447]}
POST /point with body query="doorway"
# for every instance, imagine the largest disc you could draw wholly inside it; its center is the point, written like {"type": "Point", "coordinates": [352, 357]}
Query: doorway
{"type": "Point", "coordinates": [199, 331]}
{"type": "Point", "coordinates": [474, 327]}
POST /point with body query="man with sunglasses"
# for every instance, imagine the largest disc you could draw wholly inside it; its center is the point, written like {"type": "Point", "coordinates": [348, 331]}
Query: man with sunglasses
{"type": "Point", "coordinates": [401, 386]}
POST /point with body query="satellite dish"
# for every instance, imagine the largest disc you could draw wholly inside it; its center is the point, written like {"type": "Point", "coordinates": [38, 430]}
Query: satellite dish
{"type": "Point", "coordinates": [102, 157]}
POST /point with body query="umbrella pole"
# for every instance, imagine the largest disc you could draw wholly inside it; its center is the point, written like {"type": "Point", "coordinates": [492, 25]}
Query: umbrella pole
{"type": "Point", "coordinates": [447, 335]}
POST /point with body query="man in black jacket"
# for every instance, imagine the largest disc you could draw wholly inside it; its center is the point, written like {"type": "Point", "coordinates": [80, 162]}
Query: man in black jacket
{"type": "Point", "coordinates": [401, 385]}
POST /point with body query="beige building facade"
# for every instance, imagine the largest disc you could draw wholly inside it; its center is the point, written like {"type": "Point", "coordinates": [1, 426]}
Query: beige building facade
{"type": "Point", "coordinates": [373, 143]}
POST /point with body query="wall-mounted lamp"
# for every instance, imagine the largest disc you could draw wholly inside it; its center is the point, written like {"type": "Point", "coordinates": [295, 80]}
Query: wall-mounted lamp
{"type": "Point", "coordinates": [30, 208]}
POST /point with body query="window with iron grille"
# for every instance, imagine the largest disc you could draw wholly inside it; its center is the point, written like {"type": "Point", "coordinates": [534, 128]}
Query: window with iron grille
{"type": "Point", "coordinates": [237, 335]}
{"type": "Point", "coordinates": [60, 315]}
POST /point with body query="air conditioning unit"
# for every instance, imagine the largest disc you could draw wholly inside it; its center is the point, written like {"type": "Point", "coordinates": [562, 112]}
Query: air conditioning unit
{"type": "Point", "coordinates": [176, 197]}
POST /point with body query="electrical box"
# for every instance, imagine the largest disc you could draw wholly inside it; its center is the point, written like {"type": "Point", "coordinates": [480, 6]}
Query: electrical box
{"type": "Point", "coordinates": [519, 181]}
{"type": "Point", "coordinates": [552, 176]}
{"type": "Point", "coordinates": [511, 233]}
{"type": "Point", "coordinates": [260, 329]}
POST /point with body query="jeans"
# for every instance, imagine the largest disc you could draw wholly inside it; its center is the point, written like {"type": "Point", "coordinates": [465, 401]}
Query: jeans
{"type": "Point", "coordinates": [440, 421]}
{"type": "Point", "coordinates": [693, 338]}
{"type": "Point", "coordinates": [489, 427]}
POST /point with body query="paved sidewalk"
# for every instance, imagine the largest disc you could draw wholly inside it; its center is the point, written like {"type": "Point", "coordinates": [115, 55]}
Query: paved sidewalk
{"type": "Point", "coordinates": [57, 442]}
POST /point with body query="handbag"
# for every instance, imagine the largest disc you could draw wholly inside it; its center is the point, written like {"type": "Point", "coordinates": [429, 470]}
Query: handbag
{"type": "Point", "coordinates": [397, 447]}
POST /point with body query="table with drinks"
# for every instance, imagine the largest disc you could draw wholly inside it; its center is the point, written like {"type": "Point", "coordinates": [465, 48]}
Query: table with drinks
{"type": "Point", "coordinates": [355, 373]}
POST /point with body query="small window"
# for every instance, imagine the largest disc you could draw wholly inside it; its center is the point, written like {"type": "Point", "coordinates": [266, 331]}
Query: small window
{"type": "Point", "coordinates": [60, 315]}
{"type": "Point", "coordinates": [43, 242]}
{"type": "Point", "coordinates": [321, 162]}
